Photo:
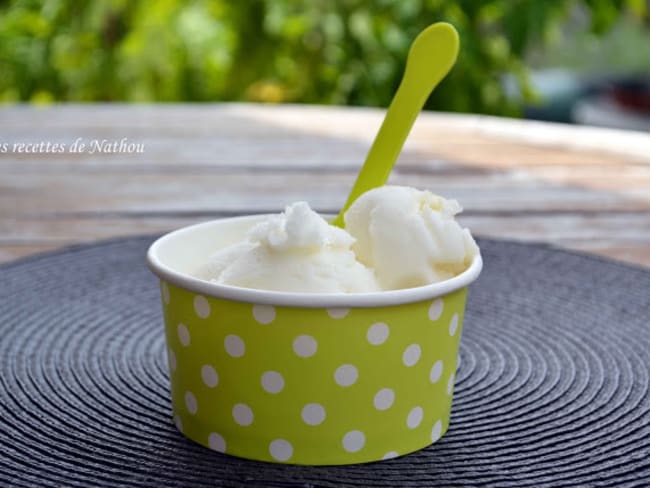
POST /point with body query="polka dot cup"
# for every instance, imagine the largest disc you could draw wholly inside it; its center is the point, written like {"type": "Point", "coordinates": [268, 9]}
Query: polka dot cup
{"type": "Point", "coordinates": [305, 378]}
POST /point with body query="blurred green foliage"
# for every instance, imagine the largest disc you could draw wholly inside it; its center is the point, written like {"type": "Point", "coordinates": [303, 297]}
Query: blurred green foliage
{"type": "Point", "coordinates": [313, 51]}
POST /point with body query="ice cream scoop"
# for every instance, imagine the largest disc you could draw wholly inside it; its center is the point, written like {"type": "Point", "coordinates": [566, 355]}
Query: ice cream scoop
{"type": "Point", "coordinates": [295, 251]}
{"type": "Point", "coordinates": [409, 237]}
{"type": "Point", "coordinates": [432, 55]}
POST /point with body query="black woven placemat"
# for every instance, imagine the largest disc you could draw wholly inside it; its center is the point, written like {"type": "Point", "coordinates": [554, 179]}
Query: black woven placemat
{"type": "Point", "coordinates": [552, 387]}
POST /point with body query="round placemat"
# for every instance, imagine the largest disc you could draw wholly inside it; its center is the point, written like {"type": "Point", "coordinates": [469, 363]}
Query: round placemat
{"type": "Point", "coordinates": [552, 387]}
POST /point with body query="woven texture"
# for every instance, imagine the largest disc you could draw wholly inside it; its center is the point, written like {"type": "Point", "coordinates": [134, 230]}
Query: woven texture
{"type": "Point", "coordinates": [552, 387]}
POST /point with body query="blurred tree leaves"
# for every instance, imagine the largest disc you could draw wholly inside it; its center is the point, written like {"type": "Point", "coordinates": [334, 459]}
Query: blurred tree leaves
{"type": "Point", "coordinates": [313, 51]}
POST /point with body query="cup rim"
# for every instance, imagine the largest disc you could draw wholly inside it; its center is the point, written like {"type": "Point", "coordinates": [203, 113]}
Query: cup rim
{"type": "Point", "coordinates": [301, 300]}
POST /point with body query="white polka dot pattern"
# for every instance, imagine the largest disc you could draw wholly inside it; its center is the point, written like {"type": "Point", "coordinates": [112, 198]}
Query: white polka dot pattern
{"type": "Point", "coordinates": [450, 384]}
{"type": "Point", "coordinates": [201, 307]}
{"type": "Point", "coordinates": [436, 371]}
{"type": "Point", "coordinates": [346, 375]}
{"type": "Point", "coordinates": [436, 308]}
{"type": "Point", "coordinates": [171, 359]}
{"type": "Point", "coordinates": [453, 325]}
{"type": "Point", "coordinates": [321, 375]}
{"type": "Point", "coordinates": [354, 441]}
{"type": "Point", "coordinates": [235, 346]}
{"type": "Point", "coordinates": [209, 376]}
{"type": "Point", "coordinates": [242, 414]}
{"type": "Point", "coordinates": [264, 314]}
{"type": "Point", "coordinates": [190, 402]}
{"type": "Point", "coordinates": [338, 313]}
{"type": "Point", "coordinates": [183, 335]}
{"type": "Point", "coordinates": [272, 382]}
{"type": "Point", "coordinates": [436, 432]}
{"type": "Point", "coordinates": [313, 414]}
{"type": "Point", "coordinates": [378, 333]}
{"type": "Point", "coordinates": [414, 418]}
{"type": "Point", "coordinates": [217, 442]}
{"type": "Point", "coordinates": [281, 450]}
{"type": "Point", "coordinates": [384, 399]}
{"type": "Point", "coordinates": [411, 355]}
{"type": "Point", "coordinates": [305, 346]}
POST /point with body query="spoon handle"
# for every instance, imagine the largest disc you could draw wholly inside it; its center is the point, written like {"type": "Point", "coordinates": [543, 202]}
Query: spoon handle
{"type": "Point", "coordinates": [430, 58]}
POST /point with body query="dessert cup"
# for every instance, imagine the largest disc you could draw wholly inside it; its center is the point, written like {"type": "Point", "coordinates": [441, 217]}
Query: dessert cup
{"type": "Point", "coordinates": [314, 379]}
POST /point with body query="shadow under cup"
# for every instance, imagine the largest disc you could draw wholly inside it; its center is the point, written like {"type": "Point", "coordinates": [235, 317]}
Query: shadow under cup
{"type": "Point", "coordinates": [312, 379]}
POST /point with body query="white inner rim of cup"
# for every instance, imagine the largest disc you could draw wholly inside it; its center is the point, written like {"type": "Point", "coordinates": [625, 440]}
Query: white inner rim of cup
{"type": "Point", "coordinates": [289, 299]}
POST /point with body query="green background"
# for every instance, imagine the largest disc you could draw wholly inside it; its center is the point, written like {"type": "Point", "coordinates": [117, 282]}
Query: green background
{"type": "Point", "coordinates": [332, 52]}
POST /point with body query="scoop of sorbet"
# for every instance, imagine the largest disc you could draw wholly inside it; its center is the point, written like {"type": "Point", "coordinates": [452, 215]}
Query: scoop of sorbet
{"type": "Point", "coordinates": [409, 237]}
{"type": "Point", "coordinates": [296, 251]}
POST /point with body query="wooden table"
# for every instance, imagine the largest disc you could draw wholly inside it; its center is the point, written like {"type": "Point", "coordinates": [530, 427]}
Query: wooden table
{"type": "Point", "coordinates": [575, 187]}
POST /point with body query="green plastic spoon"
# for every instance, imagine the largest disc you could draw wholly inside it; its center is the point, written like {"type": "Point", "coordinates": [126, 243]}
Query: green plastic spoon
{"type": "Point", "coordinates": [430, 58]}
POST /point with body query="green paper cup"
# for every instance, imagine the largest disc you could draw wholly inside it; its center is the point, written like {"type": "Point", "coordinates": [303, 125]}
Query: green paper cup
{"type": "Point", "coordinates": [316, 379]}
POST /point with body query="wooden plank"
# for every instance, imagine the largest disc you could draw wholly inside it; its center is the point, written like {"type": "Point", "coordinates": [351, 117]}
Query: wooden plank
{"type": "Point", "coordinates": [525, 142]}
{"type": "Point", "coordinates": [627, 235]}
{"type": "Point", "coordinates": [10, 252]}
{"type": "Point", "coordinates": [110, 191]}
{"type": "Point", "coordinates": [463, 130]}
{"type": "Point", "coordinates": [553, 227]}
{"type": "Point", "coordinates": [620, 237]}
{"type": "Point", "coordinates": [631, 252]}
{"type": "Point", "coordinates": [320, 154]}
